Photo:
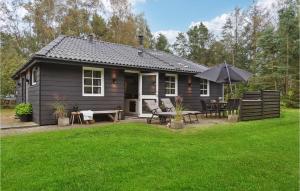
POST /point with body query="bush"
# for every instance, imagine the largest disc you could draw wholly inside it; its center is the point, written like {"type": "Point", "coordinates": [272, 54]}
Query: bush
{"type": "Point", "coordinates": [23, 109]}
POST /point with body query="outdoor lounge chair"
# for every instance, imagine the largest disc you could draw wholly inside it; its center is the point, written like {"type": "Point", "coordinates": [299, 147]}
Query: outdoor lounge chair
{"type": "Point", "coordinates": [170, 107]}
{"type": "Point", "coordinates": [156, 111]}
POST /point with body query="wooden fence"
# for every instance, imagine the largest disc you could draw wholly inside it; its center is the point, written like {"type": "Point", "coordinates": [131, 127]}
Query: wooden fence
{"type": "Point", "coordinates": [260, 105]}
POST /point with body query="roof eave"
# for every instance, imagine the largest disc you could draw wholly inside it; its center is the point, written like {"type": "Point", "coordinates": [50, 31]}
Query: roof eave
{"type": "Point", "coordinates": [109, 64]}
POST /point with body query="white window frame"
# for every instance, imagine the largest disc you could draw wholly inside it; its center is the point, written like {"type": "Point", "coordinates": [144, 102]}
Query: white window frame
{"type": "Point", "coordinates": [176, 84]}
{"type": "Point", "coordinates": [102, 81]}
{"type": "Point", "coordinates": [34, 69]}
{"type": "Point", "coordinates": [208, 88]}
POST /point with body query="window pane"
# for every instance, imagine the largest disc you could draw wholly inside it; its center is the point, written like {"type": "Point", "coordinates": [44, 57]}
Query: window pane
{"type": "Point", "coordinates": [96, 90]}
{"type": "Point", "coordinates": [172, 79]}
{"type": "Point", "coordinates": [34, 76]}
{"type": "Point", "coordinates": [97, 74]}
{"type": "Point", "coordinates": [88, 81]}
{"type": "Point", "coordinates": [88, 90]}
{"type": "Point", "coordinates": [97, 82]}
{"type": "Point", "coordinates": [172, 85]}
{"type": "Point", "coordinates": [172, 91]}
{"type": "Point", "coordinates": [87, 73]}
{"type": "Point", "coordinates": [168, 91]}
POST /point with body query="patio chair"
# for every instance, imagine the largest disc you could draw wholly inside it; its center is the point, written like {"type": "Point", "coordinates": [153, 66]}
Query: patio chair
{"type": "Point", "coordinates": [208, 108]}
{"type": "Point", "coordinates": [156, 111]}
{"type": "Point", "coordinates": [170, 107]}
{"type": "Point", "coordinates": [221, 108]}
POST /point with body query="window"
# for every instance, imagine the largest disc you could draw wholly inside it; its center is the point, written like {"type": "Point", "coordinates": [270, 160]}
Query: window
{"type": "Point", "coordinates": [34, 76]}
{"type": "Point", "coordinates": [92, 81]}
{"type": "Point", "coordinates": [171, 84]}
{"type": "Point", "coordinates": [204, 87]}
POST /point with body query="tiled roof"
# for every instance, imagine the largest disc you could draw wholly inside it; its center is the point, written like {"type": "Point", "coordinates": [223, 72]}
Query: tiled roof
{"type": "Point", "coordinates": [100, 52]}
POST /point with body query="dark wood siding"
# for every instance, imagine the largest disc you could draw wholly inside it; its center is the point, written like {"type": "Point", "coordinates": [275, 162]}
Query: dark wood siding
{"type": "Point", "coordinates": [33, 93]}
{"type": "Point", "coordinates": [19, 90]}
{"type": "Point", "coordinates": [65, 81]}
{"type": "Point", "coordinates": [191, 95]}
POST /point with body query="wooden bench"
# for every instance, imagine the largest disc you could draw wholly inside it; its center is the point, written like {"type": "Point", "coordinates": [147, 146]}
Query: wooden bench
{"type": "Point", "coordinates": [114, 115]}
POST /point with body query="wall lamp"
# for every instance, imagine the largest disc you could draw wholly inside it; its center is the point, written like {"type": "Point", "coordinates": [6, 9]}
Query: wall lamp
{"type": "Point", "coordinates": [114, 80]}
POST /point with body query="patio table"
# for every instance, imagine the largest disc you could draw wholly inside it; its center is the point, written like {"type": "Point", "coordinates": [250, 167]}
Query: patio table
{"type": "Point", "coordinates": [219, 105]}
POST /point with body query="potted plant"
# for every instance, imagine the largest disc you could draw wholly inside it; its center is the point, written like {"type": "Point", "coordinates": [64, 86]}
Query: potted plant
{"type": "Point", "coordinates": [177, 122]}
{"type": "Point", "coordinates": [24, 111]}
{"type": "Point", "coordinates": [60, 114]}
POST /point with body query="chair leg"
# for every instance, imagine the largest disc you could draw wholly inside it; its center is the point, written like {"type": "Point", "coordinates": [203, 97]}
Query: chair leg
{"type": "Point", "coordinates": [190, 118]}
{"type": "Point", "coordinates": [196, 117]}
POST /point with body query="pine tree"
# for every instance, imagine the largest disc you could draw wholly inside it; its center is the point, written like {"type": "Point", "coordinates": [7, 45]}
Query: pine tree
{"type": "Point", "coordinates": [162, 43]}
{"type": "Point", "coordinates": [180, 46]}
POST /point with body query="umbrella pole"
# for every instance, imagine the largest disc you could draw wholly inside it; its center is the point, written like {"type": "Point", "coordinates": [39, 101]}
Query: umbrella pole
{"type": "Point", "coordinates": [228, 78]}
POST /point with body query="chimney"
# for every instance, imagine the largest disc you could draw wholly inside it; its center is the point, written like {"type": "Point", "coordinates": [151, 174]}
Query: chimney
{"type": "Point", "coordinates": [91, 37]}
{"type": "Point", "coordinates": [141, 43]}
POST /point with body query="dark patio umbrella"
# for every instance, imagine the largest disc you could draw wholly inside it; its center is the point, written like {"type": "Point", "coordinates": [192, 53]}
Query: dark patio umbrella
{"type": "Point", "coordinates": [225, 74]}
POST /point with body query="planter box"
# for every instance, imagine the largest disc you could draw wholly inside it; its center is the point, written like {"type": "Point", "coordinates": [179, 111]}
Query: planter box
{"type": "Point", "coordinates": [177, 124]}
{"type": "Point", "coordinates": [233, 118]}
{"type": "Point", "coordinates": [63, 121]}
{"type": "Point", "coordinates": [25, 118]}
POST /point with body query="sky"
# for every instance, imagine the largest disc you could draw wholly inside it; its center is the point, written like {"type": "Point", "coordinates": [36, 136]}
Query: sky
{"type": "Point", "coordinates": [172, 16]}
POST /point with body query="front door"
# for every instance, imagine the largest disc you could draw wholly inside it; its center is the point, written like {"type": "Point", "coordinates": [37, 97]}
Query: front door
{"type": "Point", "coordinates": [148, 89]}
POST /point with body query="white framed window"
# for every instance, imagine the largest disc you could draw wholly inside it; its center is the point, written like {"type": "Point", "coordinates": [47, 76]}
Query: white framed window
{"type": "Point", "coordinates": [92, 81]}
{"type": "Point", "coordinates": [171, 84]}
{"type": "Point", "coordinates": [34, 73]}
{"type": "Point", "coordinates": [204, 87]}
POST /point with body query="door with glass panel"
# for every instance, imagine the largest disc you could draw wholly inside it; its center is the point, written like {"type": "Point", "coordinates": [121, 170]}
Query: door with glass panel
{"type": "Point", "coordinates": [148, 90]}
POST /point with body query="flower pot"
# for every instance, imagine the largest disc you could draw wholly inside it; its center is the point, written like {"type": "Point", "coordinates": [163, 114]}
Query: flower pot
{"type": "Point", "coordinates": [177, 124]}
{"type": "Point", "coordinates": [233, 118]}
{"type": "Point", "coordinates": [63, 121]}
{"type": "Point", "coordinates": [25, 118]}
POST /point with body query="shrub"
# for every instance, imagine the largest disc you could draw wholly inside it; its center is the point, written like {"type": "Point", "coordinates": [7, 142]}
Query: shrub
{"type": "Point", "coordinates": [23, 109]}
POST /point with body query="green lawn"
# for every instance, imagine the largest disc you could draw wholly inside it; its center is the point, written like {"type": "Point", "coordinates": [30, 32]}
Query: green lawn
{"type": "Point", "coordinates": [256, 155]}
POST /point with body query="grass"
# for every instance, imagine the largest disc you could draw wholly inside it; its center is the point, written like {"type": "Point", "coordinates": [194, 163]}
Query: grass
{"type": "Point", "coordinates": [256, 155]}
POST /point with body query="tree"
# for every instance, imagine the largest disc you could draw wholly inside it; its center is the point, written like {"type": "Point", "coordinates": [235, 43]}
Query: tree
{"type": "Point", "coordinates": [99, 26]}
{"type": "Point", "coordinates": [199, 40]}
{"type": "Point", "coordinates": [162, 43]}
{"type": "Point", "coordinates": [269, 73]}
{"type": "Point", "coordinates": [288, 33]}
{"type": "Point", "coordinates": [11, 59]}
{"type": "Point", "coordinates": [41, 14]}
{"type": "Point", "coordinates": [144, 29]}
{"type": "Point", "coordinates": [232, 37]}
{"type": "Point", "coordinates": [181, 46]}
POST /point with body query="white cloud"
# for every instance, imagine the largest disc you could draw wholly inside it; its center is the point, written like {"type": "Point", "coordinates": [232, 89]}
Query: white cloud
{"type": "Point", "coordinates": [214, 25]}
{"type": "Point", "coordinates": [170, 34]}
{"type": "Point", "coordinates": [108, 8]}
{"type": "Point", "coordinates": [267, 4]}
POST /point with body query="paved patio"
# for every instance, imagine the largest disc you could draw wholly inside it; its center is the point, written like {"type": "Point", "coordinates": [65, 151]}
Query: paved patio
{"type": "Point", "coordinates": [8, 120]}
{"type": "Point", "coordinates": [11, 125]}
